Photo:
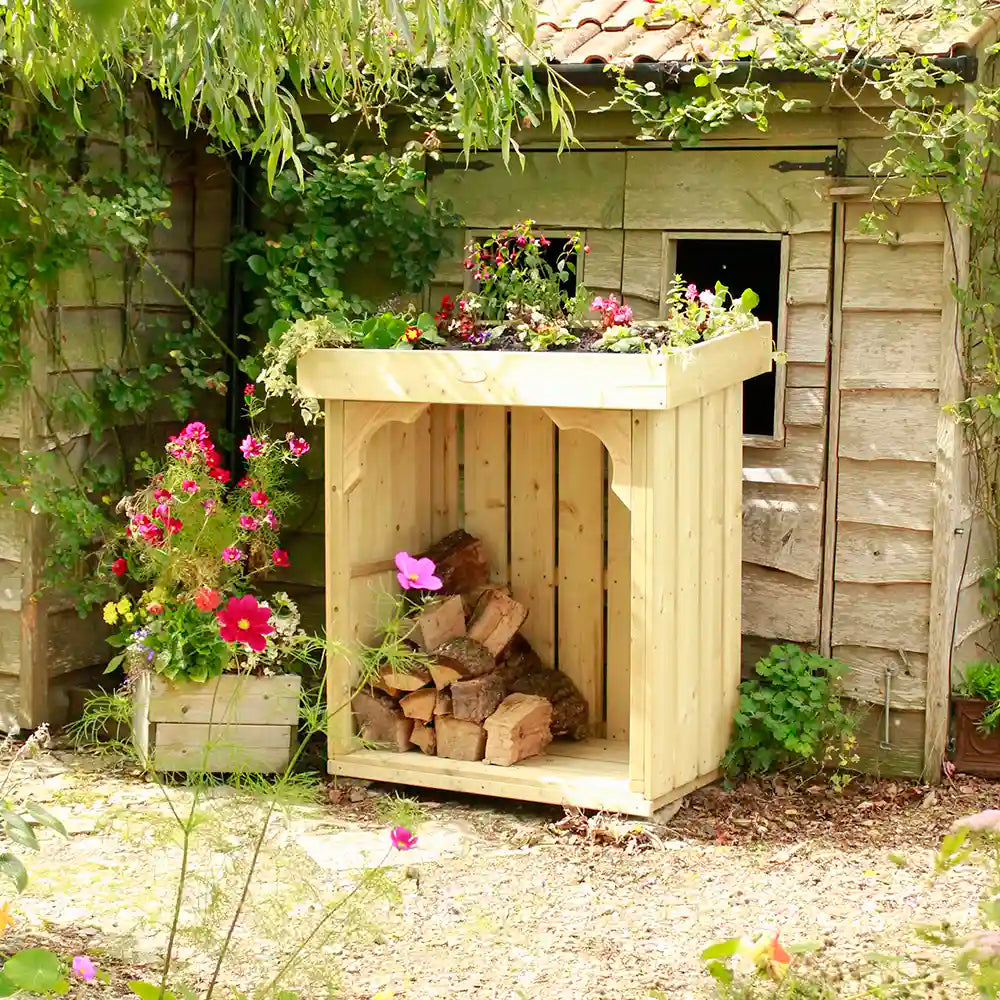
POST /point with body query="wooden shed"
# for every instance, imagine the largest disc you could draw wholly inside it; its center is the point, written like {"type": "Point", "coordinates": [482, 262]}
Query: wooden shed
{"type": "Point", "coordinates": [856, 505]}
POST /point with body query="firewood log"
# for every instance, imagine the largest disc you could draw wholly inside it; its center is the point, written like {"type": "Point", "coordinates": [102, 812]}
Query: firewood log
{"type": "Point", "coordinates": [419, 704]}
{"type": "Point", "coordinates": [476, 699]}
{"type": "Point", "coordinates": [519, 728]}
{"type": "Point", "coordinates": [459, 740]}
{"type": "Point", "coordinates": [381, 721]}
{"type": "Point", "coordinates": [426, 738]}
{"type": "Point", "coordinates": [438, 622]}
{"type": "Point", "coordinates": [443, 704]}
{"type": "Point", "coordinates": [496, 620]}
{"type": "Point", "coordinates": [569, 708]}
{"type": "Point", "coordinates": [460, 659]}
{"type": "Point", "coordinates": [401, 680]}
{"type": "Point", "coordinates": [460, 562]}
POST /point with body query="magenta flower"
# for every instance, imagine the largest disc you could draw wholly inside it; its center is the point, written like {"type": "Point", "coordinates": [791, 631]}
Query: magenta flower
{"type": "Point", "coordinates": [83, 968]}
{"type": "Point", "coordinates": [162, 495]}
{"type": "Point", "coordinates": [691, 293]}
{"type": "Point", "coordinates": [209, 505]}
{"type": "Point", "coordinates": [231, 554]}
{"type": "Point", "coordinates": [248, 389]}
{"type": "Point", "coordinates": [258, 498]}
{"type": "Point", "coordinates": [416, 574]}
{"type": "Point", "coordinates": [189, 486]}
{"type": "Point", "coordinates": [270, 520]}
{"type": "Point", "coordinates": [280, 557]}
{"type": "Point", "coordinates": [161, 510]}
{"type": "Point", "coordinates": [251, 447]}
{"type": "Point", "coordinates": [298, 446]}
{"type": "Point", "coordinates": [402, 839]}
{"type": "Point", "coordinates": [244, 619]}
{"type": "Point", "coordinates": [623, 316]}
{"type": "Point", "coordinates": [249, 523]}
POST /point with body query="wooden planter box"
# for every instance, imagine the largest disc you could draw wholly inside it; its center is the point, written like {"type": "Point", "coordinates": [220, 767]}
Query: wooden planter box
{"type": "Point", "coordinates": [975, 752]}
{"type": "Point", "coordinates": [607, 490]}
{"type": "Point", "coordinates": [234, 723]}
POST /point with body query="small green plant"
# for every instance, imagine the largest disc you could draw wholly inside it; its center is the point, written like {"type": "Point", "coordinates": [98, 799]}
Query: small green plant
{"type": "Point", "coordinates": [791, 716]}
{"type": "Point", "coordinates": [982, 680]}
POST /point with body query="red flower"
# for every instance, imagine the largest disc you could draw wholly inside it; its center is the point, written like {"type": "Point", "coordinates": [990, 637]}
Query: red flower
{"type": "Point", "coordinates": [222, 475]}
{"type": "Point", "coordinates": [155, 608]}
{"type": "Point", "coordinates": [119, 567]}
{"type": "Point", "coordinates": [258, 498]}
{"type": "Point", "coordinates": [413, 333]}
{"type": "Point", "coordinates": [248, 389]}
{"type": "Point", "coordinates": [280, 557]}
{"type": "Point", "coordinates": [206, 599]}
{"type": "Point", "coordinates": [244, 620]}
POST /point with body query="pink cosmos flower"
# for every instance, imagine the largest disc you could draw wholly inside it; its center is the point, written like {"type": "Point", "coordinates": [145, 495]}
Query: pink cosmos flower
{"type": "Point", "coordinates": [280, 557]}
{"type": "Point", "coordinates": [243, 619]}
{"type": "Point", "coordinates": [173, 524]}
{"type": "Point", "coordinates": [244, 482]}
{"type": "Point", "coordinates": [691, 293]}
{"type": "Point", "coordinates": [161, 510]}
{"type": "Point", "coordinates": [270, 520]}
{"type": "Point", "coordinates": [83, 968]}
{"type": "Point", "coordinates": [189, 486]}
{"type": "Point", "coordinates": [402, 839]}
{"type": "Point", "coordinates": [231, 554]}
{"type": "Point", "coordinates": [258, 498]}
{"type": "Point", "coordinates": [222, 475]}
{"type": "Point", "coordinates": [416, 574]}
{"type": "Point", "coordinates": [248, 523]}
{"type": "Point", "coordinates": [298, 446]}
{"type": "Point", "coordinates": [251, 447]}
{"type": "Point", "coordinates": [209, 505]}
{"type": "Point", "coordinates": [162, 495]}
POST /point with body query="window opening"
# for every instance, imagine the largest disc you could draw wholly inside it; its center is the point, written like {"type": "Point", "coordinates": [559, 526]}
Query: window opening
{"type": "Point", "coordinates": [740, 264]}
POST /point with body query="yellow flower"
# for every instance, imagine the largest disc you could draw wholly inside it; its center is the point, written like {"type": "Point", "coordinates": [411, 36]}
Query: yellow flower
{"type": "Point", "coordinates": [110, 613]}
{"type": "Point", "coordinates": [124, 605]}
{"type": "Point", "coordinates": [6, 920]}
{"type": "Point", "coordinates": [129, 617]}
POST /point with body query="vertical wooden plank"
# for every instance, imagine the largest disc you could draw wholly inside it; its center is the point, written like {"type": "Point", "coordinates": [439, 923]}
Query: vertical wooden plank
{"type": "Point", "coordinates": [580, 541]}
{"type": "Point", "coordinates": [732, 564]}
{"type": "Point", "coordinates": [444, 470]}
{"type": "Point", "coordinates": [946, 566]}
{"type": "Point", "coordinates": [485, 482]}
{"type": "Point", "coordinates": [827, 585]}
{"type": "Point", "coordinates": [687, 662]}
{"type": "Point", "coordinates": [641, 558]}
{"type": "Point", "coordinates": [408, 512]}
{"type": "Point", "coordinates": [617, 633]}
{"type": "Point", "coordinates": [338, 585]}
{"type": "Point", "coordinates": [423, 481]}
{"type": "Point", "coordinates": [533, 526]}
{"type": "Point", "coordinates": [712, 678]}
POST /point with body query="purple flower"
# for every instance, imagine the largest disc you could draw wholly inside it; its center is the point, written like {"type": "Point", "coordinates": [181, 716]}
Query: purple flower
{"type": "Point", "coordinates": [416, 574]}
{"type": "Point", "coordinates": [84, 968]}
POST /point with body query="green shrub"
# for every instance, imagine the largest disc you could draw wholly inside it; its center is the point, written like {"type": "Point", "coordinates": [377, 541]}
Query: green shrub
{"type": "Point", "coordinates": [791, 716]}
{"type": "Point", "coordinates": [982, 680]}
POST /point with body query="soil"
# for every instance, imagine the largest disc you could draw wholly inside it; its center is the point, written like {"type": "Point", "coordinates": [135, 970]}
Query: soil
{"type": "Point", "coordinates": [499, 899]}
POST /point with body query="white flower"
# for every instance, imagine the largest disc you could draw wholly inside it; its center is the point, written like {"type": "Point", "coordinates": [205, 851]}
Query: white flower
{"type": "Point", "coordinates": [707, 298]}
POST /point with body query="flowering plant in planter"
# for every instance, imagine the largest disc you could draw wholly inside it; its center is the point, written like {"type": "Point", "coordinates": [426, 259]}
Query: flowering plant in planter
{"type": "Point", "coordinates": [192, 547]}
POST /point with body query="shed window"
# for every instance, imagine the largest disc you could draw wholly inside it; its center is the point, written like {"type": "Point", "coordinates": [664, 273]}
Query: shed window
{"type": "Point", "coordinates": [739, 264]}
{"type": "Point", "coordinates": [558, 245]}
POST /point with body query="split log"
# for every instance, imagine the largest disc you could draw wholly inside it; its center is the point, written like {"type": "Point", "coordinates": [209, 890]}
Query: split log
{"type": "Point", "coordinates": [477, 699]}
{"type": "Point", "coordinates": [381, 721]}
{"type": "Point", "coordinates": [518, 659]}
{"type": "Point", "coordinates": [443, 704]}
{"type": "Point", "coordinates": [405, 680]}
{"type": "Point", "coordinates": [459, 740]}
{"type": "Point", "coordinates": [519, 728]}
{"type": "Point", "coordinates": [419, 704]}
{"type": "Point", "coordinates": [470, 598]}
{"type": "Point", "coordinates": [460, 562]}
{"type": "Point", "coordinates": [569, 707]}
{"type": "Point", "coordinates": [437, 623]}
{"type": "Point", "coordinates": [459, 660]}
{"type": "Point", "coordinates": [426, 738]}
{"type": "Point", "coordinates": [496, 620]}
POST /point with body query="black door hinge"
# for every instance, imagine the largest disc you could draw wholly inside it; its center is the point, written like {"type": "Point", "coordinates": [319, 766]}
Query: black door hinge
{"type": "Point", "coordinates": [834, 165]}
{"type": "Point", "coordinates": [435, 168]}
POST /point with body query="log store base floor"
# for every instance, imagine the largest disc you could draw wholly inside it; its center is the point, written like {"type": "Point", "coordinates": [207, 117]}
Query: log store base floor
{"type": "Point", "coordinates": [496, 901]}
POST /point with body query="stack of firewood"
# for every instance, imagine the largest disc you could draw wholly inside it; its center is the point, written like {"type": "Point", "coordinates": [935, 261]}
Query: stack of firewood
{"type": "Point", "coordinates": [484, 693]}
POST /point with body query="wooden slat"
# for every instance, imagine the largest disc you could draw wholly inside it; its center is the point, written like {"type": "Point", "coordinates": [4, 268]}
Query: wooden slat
{"type": "Point", "coordinates": [688, 660]}
{"type": "Point", "coordinates": [642, 272]}
{"type": "Point", "coordinates": [877, 554]}
{"type": "Point", "coordinates": [807, 339]}
{"type": "Point", "coordinates": [782, 528]}
{"type": "Point", "coordinates": [808, 286]}
{"type": "Point", "coordinates": [807, 375]}
{"type": "Point", "coordinates": [639, 603]}
{"type": "Point", "coordinates": [881, 350]}
{"type": "Point", "coordinates": [780, 606]}
{"type": "Point", "coordinates": [805, 407]}
{"type": "Point", "coordinates": [581, 564]}
{"type": "Point", "coordinates": [444, 469]}
{"type": "Point", "coordinates": [231, 698]}
{"type": "Point", "coordinates": [904, 755]}
{"type": "Point", "coordinates": [577, 190]}
{"type": "Point", "coordinates": [617, 636]}
{"type": "Point", "coordinates": [899, 494]}
{"type": "Point", "coordinates": [485, 483]}
{"type": "Point", "coordinates": [731, 566]}
{"type": "Point", "coordinates": [910, 277]}
{"type": "Point", "coordinates": [887, 615]}
{"type": "Point", "coordinates": [602, 267]}
{"type": "Point", "coordinates": [533, 525]}
{"type": "Point", "coordinates": [711, 680]}
{"type": "Point", "coordinates": [221, 749]}
{"type": "Point", "coordinates": [888, 424]}
{"type": "Point", "coordinates": [913, 222]}
{"type": "Point", "coordinates": [799, 463]}
{"type": "Point", "coordinates": [811, 250]}
{"type": "Point", "coordinates": [731, 190]}
{"type": "Point", "coordinates": [866, 681]}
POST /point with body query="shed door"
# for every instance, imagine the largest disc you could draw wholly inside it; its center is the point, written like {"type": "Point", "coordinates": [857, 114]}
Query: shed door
{"type": "Point", "coordinates": [649, 213]}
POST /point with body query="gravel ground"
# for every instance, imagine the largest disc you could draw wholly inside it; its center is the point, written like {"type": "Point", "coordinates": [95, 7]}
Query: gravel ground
{"type": "Point", "coordinates": [499, 900]}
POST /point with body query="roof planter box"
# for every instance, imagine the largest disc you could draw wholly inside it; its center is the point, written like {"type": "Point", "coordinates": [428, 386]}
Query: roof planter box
{"type": "Point", "coordinates": [606, 491]}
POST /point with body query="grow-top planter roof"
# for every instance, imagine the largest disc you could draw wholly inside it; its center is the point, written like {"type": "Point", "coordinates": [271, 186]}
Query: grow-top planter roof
{"type": "Point", "coordinates": [522, 378]}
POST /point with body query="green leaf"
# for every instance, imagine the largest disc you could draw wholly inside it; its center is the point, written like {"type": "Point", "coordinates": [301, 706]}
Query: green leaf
{"type": "Point", "coordinates": [257, 264]}
{"type": "Point", "coordinates": [720, 972]}
{"type": "Point", "coordinates": [149, 991]}
{"type": "Point", "coordinates": [721, 949]}
{"type": "Point", "coordinates": [18, 830]}
{"type": "Point", "coordinates": [45, 818]}
{"type": "Point", "coordinates": [749, 300]}
{"type": "Point", "coordinates": [114, 663]}
{"type": "Point", "coordinates": [11, 866]}
{"type": "Point", "coordinates": [7, 988]}
{"type": "Point", "coordinates": [36, 970]}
